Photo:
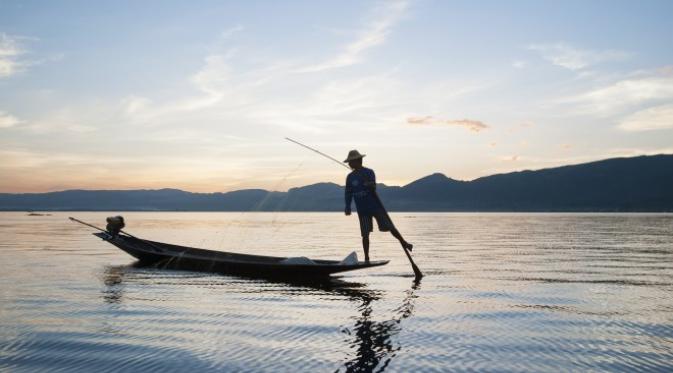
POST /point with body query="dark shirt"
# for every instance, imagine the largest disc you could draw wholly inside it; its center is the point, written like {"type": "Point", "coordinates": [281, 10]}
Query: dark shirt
{"type": "Point", "coordinates": [361, 186]}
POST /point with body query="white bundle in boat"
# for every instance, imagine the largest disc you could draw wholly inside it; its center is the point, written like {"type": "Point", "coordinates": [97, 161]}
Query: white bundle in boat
{"type": "Point", "coordinates": [297, 260]}
{"type": "Point", "coordinates": [351, 259]}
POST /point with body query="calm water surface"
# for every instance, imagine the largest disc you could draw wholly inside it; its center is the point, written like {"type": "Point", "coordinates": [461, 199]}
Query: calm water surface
{"type": "Point", "coordinates": [502, 292]}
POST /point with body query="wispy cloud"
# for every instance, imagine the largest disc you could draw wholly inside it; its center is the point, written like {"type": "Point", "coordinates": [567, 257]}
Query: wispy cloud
{"type": "Point", "coordinates": [373, 34]}
{"type": "Point", "coordinates": [269, 94]}
{"type": "Point", "coordinates": [226, 34]}
{"type": "Point", "coordinates": [217, 88]}
{"type": "Point", "coordinates": [7, 120]}
{"type": "Point", "coordinates": [68, 120]}
{"type": "Point", "coordinates": [509, 158]}
{"type": "Point", "coordinates": [212, 82]}
{"type": "Point", "coordinates": [365, 103]}
{"type": "Point", "coordinates": [519, 127]}
{"type": "Point", "coordinates": [472, 125]}
{"type": "Point", "coordinates": [519, 64]}
{"type": "Point", "coordinates": [624, 95]}
{"type": "Point", "coordinates": [654, 118]}
{"type": "Point", "coordinates": [10, 51]}
{"type": "Point", "coordinates": [574, 58]}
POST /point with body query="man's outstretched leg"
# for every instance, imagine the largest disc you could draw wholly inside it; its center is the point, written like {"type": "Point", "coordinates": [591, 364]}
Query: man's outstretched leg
{"type": "Point", "coordinates": [405, 245]}
{"type": "Point", "coordinates": [365, 247]}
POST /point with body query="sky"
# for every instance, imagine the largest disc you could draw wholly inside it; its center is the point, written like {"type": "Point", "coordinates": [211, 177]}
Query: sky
{"type": "Point", "coordinates": [200, 95]}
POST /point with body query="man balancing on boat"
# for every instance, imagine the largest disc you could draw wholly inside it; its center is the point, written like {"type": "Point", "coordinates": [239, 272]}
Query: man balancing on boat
{"type": "Point", "coordinates": [361, 186]}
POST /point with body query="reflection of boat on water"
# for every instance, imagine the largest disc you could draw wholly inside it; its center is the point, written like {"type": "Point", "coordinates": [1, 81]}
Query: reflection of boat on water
{"type": "Point", "coordinates": [163, 255]}
{"type": "Point", "coordinates": [115, 277]}
{"type": "Point", "coordinates": [372, 342]}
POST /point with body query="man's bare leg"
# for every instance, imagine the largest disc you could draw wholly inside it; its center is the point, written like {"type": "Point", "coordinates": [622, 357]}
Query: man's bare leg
{"type": "Point", "coordinates": [405, 245]}
{"type": "Point", "coordinates": [365, 247]}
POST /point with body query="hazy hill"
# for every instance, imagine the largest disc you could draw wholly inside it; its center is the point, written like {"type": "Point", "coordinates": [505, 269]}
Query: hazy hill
{"type": "Point", "coordinates": [620, 184]}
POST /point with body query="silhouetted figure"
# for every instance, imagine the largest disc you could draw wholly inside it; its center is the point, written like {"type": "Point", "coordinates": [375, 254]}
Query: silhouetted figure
{"type": "Point", "coordinates": [114, 225]}
{"type": "Point", "coordinates": [361, 186]}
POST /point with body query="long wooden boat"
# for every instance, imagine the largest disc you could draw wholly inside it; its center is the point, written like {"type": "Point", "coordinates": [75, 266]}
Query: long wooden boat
{"type": "Point", "coordinates": [166, 255]}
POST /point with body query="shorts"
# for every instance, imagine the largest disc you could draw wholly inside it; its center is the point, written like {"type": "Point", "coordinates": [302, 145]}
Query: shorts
{"type": "Point", "coordinates": [382, 220]}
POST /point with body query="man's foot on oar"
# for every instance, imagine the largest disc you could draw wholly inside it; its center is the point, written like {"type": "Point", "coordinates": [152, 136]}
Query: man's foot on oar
{"type": "Point", "coordinates": [408, 246]}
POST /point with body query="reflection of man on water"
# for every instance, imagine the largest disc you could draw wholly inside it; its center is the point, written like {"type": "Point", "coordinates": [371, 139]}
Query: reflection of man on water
{"type": "Point", "coordinates": [361, 186]}
{"type": "Point", "coordinates": [374, 340]}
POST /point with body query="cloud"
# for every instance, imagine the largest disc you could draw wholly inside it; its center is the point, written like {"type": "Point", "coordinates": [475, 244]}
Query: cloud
{"type": "Point", "coordinates": [212, 83]}
{"type": "Point", "coordinates": [472, 125]}
{"type": "Point", "coordinates": [367, 103]}
{"type": "Point", "coordinates": [372, 35]}
{"type": "Point", "coordinates": [519, 64]}
{"type": "Point", "coordinates": [69, 120]}
{"type": "Point", "coordinates": [509, 158]}
{"type": "Point", "coordinates": [134, 105]}
{"type": "Point", "coordinates": [624, 94]}
{"type": "Point", "coordinates": [522, 126]}
{"type": "Point", "coordinates": [573, 58]}
{"type": "Point", "coordinates": [654, 118]}
{"type": "Point", "coordinates": [211, 80]}
{"type": "Point", "coordinates": [267, 95]}
{"type": "Point", "coordinates": [218, 88]}
{"type": "Point", "coordinates": [10, 50]}
{"type": "Point", "coordinates": [7, 120]}
{"type": "Point", "coordinates": [228, 33]}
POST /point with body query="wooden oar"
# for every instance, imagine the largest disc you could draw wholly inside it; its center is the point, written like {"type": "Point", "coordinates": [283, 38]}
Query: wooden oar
{"type": "Point", "coordinates": [414, 267]}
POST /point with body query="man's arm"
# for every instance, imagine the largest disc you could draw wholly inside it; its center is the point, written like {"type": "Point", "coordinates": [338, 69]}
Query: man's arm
{"type": "Point", "coordinates": [348, 196]}
{"type": "Point", "coordinates": [370, 181]}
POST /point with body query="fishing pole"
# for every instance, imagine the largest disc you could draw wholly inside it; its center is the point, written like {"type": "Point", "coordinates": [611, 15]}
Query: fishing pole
{"type": "Point", "coordinates": [319, 152]}
{"type": "Point", "coordinates": [414, 267]}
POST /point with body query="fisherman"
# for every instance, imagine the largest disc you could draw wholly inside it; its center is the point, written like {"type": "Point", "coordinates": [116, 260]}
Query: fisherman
{"type": "Point", "coordinates": [114, 225]}
{"type": "Point", "coordinates": [361, 186]}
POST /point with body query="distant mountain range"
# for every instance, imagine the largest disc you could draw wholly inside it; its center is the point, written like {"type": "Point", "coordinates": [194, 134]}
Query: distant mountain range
{"type": "Point", "coordinates": [620, 184]}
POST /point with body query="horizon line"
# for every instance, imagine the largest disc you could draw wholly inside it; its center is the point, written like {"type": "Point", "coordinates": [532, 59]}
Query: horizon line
{"type": "Point", "coordinates": [328, 182]}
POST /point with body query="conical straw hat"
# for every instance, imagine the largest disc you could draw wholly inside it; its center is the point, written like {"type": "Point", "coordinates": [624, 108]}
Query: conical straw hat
{"type": "Point", "coordinates": [353, 155]}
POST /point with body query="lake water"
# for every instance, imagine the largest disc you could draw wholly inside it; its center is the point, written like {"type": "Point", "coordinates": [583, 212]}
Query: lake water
{"type": "Point", "coordinates": [502, 292]}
